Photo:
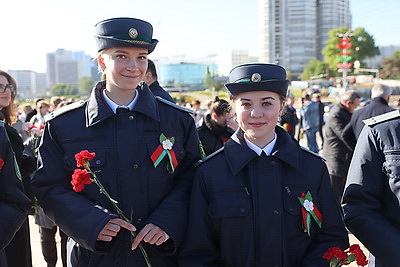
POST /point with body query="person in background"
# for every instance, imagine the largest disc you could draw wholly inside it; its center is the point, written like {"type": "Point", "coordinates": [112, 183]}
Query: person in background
{"type": "Point", "coordinates": [217, 126]}
{"type": "Point", "coordinates": [34, 111]}
{"type": "Point", "coordinates": [14, 204]}
{"type": "Point", "coordinates": [316, 97]}
{"type": "Point", "coordinates": [198, 113]}
{"type": "Point", "coordinates": [25, 109]}
{"type": "Point", "coordinates": [151, 78]}
{"type": "Point", "coordinates": [372, 193]}
{"type": "Point", "coordinates": [19, 249]}
{"type": "Point", "coordinates": [130, 132]}
{"type": "Point", "coordinates": [54, 102]}
{"type": "Point", "coordinates": [47, 227]}
{"type": "Point", "coordinates": [289, 118]}
{"type": "Point", "coordinates": [43, 109]}
{"type": "Point", "coordinates": [380, 95]}
{"type": "Point", "coordinates": [247, 206]}
{"type": "Point", "coordinates": [335, 151]}
{"type": "Point", "coordinates": [310, 116]}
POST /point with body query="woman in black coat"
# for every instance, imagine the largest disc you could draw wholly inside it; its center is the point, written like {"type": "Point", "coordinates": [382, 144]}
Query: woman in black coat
{"type": "Point", "coordinates": [14, 203]}
{"type": "Point", "coordinates": [19, 250]}
{"type": "Point", "coordinates": [262, 200]}
{"type": "Point", "coordinates": [217, 126]}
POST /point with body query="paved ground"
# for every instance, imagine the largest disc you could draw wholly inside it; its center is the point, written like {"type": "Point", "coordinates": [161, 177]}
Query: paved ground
{"type": "Point", "coordinates": [37, 257]}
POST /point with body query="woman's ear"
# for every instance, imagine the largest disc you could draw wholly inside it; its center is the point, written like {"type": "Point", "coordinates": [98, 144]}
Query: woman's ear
{"type": "Point", "coordinates": [100, 61]}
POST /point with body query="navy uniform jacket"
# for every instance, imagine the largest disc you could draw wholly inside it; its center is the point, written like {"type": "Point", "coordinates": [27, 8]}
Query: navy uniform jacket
{"type": "Point", "coordinates": [372, 195]}
{"type": "Point", "coordinates": [157, 90]}
{"type": "Point", "coordinates": [14, 204]}
{"type": "Point", "coordinates": [245, 209]}
{"type": "Point", "coordinates": [123, 144]}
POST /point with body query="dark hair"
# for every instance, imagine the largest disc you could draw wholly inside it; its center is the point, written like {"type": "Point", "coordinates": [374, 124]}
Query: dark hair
{"type": "Point", "coordinates": [152, 69]}
{"type": "Point", "coordinates": [220, 106]}
{"type": "Point", "coordinates": [9, 113]}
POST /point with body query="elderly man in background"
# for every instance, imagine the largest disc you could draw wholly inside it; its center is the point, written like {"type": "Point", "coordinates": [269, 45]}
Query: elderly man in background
{"type": "Point", "coordinates": [335, 151]}
{"type": "Point", "coordinates": [380, 95]}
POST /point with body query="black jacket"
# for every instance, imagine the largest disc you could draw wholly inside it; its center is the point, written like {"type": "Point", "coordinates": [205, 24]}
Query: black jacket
{"type": "Point", "coordinates": [123, 144]}
{"type": "Point", "coordinates": [372, 195]}
{"type": "Point", "coordinates": [157, 90]}
{"type": "Point", "coordinates": [335, 151]}
{"type": "Point", "coordinates": [289, 117]}
{"type": "Point", "coordinates": [352, 131]}
{"type": "Point", "coordinates": [212, 136]}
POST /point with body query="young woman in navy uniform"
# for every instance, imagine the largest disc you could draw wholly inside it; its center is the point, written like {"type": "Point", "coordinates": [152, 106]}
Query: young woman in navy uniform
{"type": "Point", "coordinates": [155, 197]}
{"type": "Point", "coordinates": [14, 204]}
{"type": "Point", "coordinates": [262, 200]}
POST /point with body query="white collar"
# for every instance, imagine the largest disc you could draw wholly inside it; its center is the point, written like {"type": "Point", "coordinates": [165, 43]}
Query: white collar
{"type": "Point", "coordinates": [267, 149]}
{"type": "Point", "coordinates": [114, 106]}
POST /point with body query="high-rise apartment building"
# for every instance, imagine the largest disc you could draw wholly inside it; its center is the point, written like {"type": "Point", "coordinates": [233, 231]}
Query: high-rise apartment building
{"type": "Point", "coordinates": [30, 84]}
{"type": "Point", "coordinates": [67, 67]}
{"type": "Point", "coordinates": [292, 32]}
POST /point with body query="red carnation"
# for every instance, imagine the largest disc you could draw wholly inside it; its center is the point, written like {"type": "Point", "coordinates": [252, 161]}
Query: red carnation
{"type": "Point", "coordinates": [361, 258]}
{"type": "Point", "coordinates": [79, 179]}
{"type": "Point", "coordinates": [1, 163]}
{"type": "Point", "coordinates": [83, 157]}
{"type": "Point", "coordinates": [335, 252]}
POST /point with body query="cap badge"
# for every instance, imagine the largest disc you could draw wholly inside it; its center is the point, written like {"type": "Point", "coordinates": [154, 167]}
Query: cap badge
{"type": "Point", "coordinates": [256, 77]}
{"type": "Point", "coordinates": [133, 33]}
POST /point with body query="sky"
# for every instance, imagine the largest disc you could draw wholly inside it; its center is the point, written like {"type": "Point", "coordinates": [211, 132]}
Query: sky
{"type": "Point", "coordinates": [31, 29]}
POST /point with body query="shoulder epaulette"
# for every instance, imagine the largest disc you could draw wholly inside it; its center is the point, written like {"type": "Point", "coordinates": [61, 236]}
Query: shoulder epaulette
{"type": "Point", "coordinates": [64, 109]}
{"type": "Point", "coordinates": [159, 98]}
{"type": "Point", "coordinates": [381, 118]}
{"type": "Point", "coordinates": [209, 157]}
{"type": "Point", "coordinates": [311, 152]}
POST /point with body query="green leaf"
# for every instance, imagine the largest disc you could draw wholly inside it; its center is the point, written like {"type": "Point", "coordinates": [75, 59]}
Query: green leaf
{"type": "Point", "coordinates": [162, 138]}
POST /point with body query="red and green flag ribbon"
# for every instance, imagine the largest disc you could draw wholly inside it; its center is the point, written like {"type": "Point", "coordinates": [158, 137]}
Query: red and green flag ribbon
{"type": "Point", "coordinates": [309, 210]}
{"type": "Point", "coordinates": [165, 149]}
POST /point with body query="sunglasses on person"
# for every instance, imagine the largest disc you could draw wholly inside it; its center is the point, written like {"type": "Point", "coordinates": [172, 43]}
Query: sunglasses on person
{"type": "Point", "coordinates": [3, 88]}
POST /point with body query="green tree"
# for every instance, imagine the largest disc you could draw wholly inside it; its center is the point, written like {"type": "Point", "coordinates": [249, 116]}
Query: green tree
{"type": "Point", "coordinates": [208, 78]}
{"type": "Point", "coordinates": [314, 67]}
{"type": "Point", "coordinates": [63, 89]}
{"type": "Point", "coordinates": [85, 85]}
{"type": "Point", "coordinates": [390, 67]}
{"type": "Point", "coordinates": [363, 46]}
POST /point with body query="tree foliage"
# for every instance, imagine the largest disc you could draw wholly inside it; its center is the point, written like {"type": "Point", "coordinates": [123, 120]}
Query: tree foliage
{"type": "Point", "coordinates": [363, 46]}
{"type": "Point", "coordinates": [390, 67]}
{"type": "Point", "coordinates": [314, 67]}
{"type": "Point", "coordinates": [64, 89]}
{"type": "Point", "coordinates": [208, 78]}
{"type": "Point", "coordinates": [85, 85]}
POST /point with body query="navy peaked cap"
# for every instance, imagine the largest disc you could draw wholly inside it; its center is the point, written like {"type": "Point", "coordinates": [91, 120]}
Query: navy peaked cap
{"type": "Point", "coordinates": [257, 77]}
{"type": "Point", "coordinates": [124, 32]}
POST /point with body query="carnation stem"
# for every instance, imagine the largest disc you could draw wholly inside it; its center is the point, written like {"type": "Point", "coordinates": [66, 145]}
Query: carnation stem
{"type": "Point", "coordinates": [119, 211]}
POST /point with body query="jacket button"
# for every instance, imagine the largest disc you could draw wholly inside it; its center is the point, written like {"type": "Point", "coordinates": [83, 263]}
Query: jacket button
{"type": "Point", "coordinates": [389, 171]}
{"type": "Point", "coordinates": [273, 162]}
{"type": "Point", "coordinates": [135, 166]}
{"type": "Point", "coordinates": [139, 221]}
{"type": "Point", "coordinates": [131, 117]}
{"type": "Point", "coordinates": [98, 162]}
{"type": "Point", "coordinates": [276, 212]}
{"type": "Point", "coordinates": [242, 210]}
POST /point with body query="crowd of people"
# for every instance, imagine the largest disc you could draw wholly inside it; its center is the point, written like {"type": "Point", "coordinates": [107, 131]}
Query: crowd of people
{"type": "Point", "coordinates": [130, 178]}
